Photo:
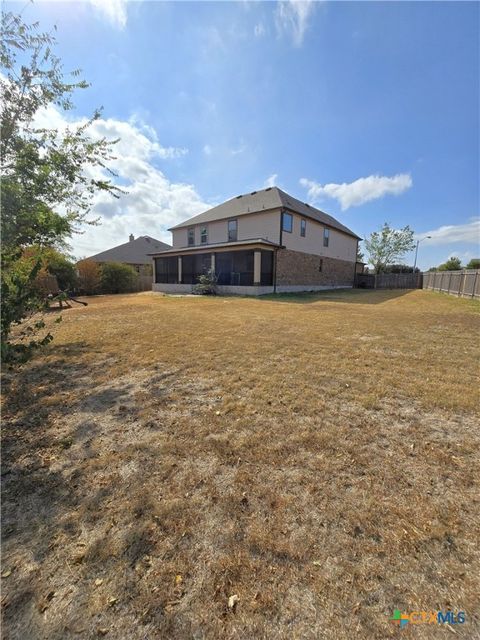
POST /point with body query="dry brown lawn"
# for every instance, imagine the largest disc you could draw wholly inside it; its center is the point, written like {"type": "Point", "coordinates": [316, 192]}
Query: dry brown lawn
{"type": "Point", "coordinates": [317, 456]}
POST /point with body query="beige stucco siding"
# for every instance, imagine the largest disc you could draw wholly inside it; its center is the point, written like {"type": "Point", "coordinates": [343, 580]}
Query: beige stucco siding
{"type": "Point", "coordinates": [260, 225]}
{"type": "Point", "coordinates": [341, 246]}
{"type": "Point", "coordinates": [179, 237]}
{"type": "Point", "coordinates": [256, 225]}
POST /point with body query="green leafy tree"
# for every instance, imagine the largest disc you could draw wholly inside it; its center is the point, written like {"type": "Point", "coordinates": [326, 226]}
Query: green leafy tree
{"type": "Point", "coordinates": [400, 268]}
{"type": "Point", "coordinates": [59, 265]}
{"type": "Point", "coordinates": [388, 245]}
{"type": "Point", "coordinates": [118, 277]}
{"type": "Point", "coordinates": [46, 191]}
{"type": "Point", "coordinates": [52, 262]}
{"type": "Point", "coordinates": [473, 264]}
{"type": "Point", "coordinates": [452, 264]}
{"type": "Point", "coordinates": [360, 255]}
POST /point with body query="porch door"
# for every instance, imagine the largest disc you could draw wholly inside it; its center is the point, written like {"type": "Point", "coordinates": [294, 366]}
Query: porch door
{"type": "Point", "coordinates": [234, 268]}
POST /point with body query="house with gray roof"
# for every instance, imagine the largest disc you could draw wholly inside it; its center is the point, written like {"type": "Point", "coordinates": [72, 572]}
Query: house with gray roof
{"type": "Point", "coordinates": [136, 253]}
{"type": "Point", "coordinates": [261, 242]}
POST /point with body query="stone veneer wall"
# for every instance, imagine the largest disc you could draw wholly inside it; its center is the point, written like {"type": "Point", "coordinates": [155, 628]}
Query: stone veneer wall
{"type": "Point", "coordinates": [296, 268]}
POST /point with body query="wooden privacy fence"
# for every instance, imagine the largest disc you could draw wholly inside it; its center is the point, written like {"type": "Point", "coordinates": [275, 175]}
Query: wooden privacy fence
{"type": "Point", "coordinates": [388, 280]}
{"type": "Point", "coordinates": [144, 283]}
{"type": "Point", "coordinates": [465, 283]}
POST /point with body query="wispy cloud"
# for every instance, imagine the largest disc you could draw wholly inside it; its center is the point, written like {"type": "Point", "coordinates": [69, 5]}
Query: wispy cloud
{"type": "Point", "coordinates": [353, 194]}
{"type": "Point", "coordinates": [259, 30]}
{"type": "Point", "coordinates": [207, 150]}
{"type": "Point", "coordinates": [114, 11]}
{"type": "Point", "coordinates": [292, 17]}
{"type": "Point", "coordinates": [240, 149]}
{"type": "Point", "coordinates": [271, 181]}
{"type": "Point", "coordinates": [468, 233]}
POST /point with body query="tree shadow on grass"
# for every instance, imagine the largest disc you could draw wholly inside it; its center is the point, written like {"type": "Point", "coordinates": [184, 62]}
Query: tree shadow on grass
{"type": "Point", "coordinates": [348, 296]}
{"type": "Point", "coordinates": [56, 484]}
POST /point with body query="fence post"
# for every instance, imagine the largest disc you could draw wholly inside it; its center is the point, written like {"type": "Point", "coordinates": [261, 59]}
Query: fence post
{"type": "Point", "coordinates": [474, 284]}
{"type": "Point", "coordinates": [464, 281]}
{"type": "Point", "coordinates": [449, 282]}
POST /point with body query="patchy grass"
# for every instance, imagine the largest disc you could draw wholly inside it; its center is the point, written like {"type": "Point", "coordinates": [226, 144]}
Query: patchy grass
{"type": "Point", "coordinates": [317, 456]}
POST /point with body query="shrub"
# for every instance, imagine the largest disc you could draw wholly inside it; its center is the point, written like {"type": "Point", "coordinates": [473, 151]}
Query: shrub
{"type": "Point", "coordinates": [118, 277]}
{"type": "Point", "coordinates": [207, 284]}
{"type": "Point", "coordinates": [473, 264]}
{"type": "Point", "coordinates": [89, 276]}
{"type": "Point", "coordinates": [452, 264]}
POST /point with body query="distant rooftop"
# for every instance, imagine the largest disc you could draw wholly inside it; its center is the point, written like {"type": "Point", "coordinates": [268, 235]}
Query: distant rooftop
{"type": "Point", "coordinates": [135, 251]}
{"type": "Point", "coordinates": [263, 200]}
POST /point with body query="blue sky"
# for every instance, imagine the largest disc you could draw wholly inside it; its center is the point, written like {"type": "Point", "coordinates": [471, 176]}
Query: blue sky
{"type": "Point", "coordinates": [369, 110]}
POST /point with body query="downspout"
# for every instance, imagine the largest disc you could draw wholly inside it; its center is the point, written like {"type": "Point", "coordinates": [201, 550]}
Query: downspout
{"type": "Point", "coordinates": [355, 267]}
{"type": "Point", "coordinates": [276, 252]}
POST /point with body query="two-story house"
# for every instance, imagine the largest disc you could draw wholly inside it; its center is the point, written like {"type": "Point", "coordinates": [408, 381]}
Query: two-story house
{"type": "Point", "coordinates": [262, 242]}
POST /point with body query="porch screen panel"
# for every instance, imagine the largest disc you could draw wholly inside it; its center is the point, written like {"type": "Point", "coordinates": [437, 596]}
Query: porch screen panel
{"type": "Point", "coordinates": [194, 266]}
{"type": "Point", "coordinates": [266, 276]}
{"type": "Point", "coordinates": [234, 268]}
{"type": "Point", "coordinates": [166, 270]}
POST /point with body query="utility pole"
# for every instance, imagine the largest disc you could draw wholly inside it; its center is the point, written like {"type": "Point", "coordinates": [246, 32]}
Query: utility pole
{"type": "Point", "coordinates": [416, 251]}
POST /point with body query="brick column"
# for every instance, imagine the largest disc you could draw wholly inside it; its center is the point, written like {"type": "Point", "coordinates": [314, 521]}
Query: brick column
{"type": "Point", "coordinates": [257, 267]}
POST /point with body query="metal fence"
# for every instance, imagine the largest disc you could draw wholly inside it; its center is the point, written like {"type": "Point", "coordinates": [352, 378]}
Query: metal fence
{"type": "Point", "coordinates": [465, 283]}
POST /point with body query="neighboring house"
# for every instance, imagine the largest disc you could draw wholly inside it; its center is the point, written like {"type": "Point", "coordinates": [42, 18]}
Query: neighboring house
{"type": "Point", "coordinates": [262, 242]}
{"type": "Point", "coordinates": [136, 252]}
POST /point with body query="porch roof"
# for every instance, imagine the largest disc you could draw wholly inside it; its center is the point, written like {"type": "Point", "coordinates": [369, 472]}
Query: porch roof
{"type": "Point", "coordinates": [206, 248]}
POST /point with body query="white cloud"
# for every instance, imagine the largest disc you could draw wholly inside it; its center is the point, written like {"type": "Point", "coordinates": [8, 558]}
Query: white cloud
{"type": "Point", "coordinates": [271, 181]}
{"type": "Point", "coordinates": [115, 11]}
{"type": "Point", "coordinates": [291, 18]}
{"type": "Point", "coordinates": [153, 202]}
{"type": "Point", "coordinates": [468, 233]}
{"type": "Point", "coordinates": [207, 150]}
{"type": "Point", "coordinates": [363, 190]}
{"type": "Point", "coordinates": [259, 30]}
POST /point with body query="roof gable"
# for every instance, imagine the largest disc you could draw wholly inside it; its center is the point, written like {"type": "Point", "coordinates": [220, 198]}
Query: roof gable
{"type": "Point", "coordinates": [133, 252]}
{"type": "Point", "coordinates": [263, 200]}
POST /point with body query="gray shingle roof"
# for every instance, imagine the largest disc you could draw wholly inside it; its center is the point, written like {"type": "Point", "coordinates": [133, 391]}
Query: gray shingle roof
{"type": "Point", "coordinates": [217, 245]}
{"type": "Point", "coordinates": [257, 201]}
{"type": "Point", "coordinates": [133, 252]}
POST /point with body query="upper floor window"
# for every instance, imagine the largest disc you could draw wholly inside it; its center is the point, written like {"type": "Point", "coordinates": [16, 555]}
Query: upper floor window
{"type": "Point", "coordinates": [303, 227]}
{"type": "Point", "coordinates": [326, 237]}
{"type": "Point", "coordinates": [232, 230]}
{"type": "Point", "coordinates": [203, 235]}
{"type": "Point", "coordinates": [191, 236]}
{"type": "Point", "coordinates": [287, 222]}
